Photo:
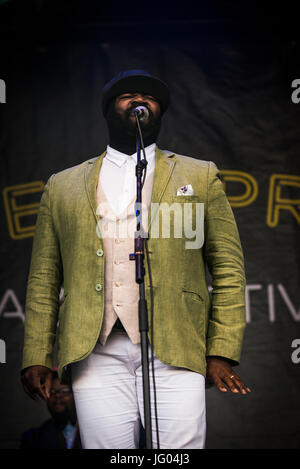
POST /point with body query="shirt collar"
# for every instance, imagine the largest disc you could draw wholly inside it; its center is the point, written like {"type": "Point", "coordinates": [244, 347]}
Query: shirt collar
{"type": "Point", "coordinates": [120, 158]}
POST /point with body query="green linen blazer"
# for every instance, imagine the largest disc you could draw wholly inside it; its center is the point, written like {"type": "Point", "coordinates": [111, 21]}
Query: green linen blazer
{"type": "Point", "coordinates": [189, 323]}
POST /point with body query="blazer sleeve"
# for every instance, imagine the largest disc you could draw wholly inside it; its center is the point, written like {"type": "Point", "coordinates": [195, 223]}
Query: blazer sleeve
{"type": "Point", "coordinates": [43, 286]}
{"type": "Point", "coordinates": [224, 257]}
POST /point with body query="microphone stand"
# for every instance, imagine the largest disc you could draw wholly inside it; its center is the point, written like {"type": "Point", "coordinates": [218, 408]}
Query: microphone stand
{"type": "Point", "coordinates": [138, 256]}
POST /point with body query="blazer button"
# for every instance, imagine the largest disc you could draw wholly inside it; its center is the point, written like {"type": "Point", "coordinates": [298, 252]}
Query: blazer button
{"type": "Point", "coordinates": [100, 252]}
{"type": "Point", "coordinates": [98, 287]}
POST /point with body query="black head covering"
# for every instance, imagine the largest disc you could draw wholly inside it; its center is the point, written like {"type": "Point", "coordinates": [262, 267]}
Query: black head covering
{"type": "Point", "coordinates": [139, 81]}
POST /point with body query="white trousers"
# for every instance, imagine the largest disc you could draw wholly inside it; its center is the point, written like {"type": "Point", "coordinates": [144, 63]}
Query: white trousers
{"type": "Point", "coordinates": [108, 393]}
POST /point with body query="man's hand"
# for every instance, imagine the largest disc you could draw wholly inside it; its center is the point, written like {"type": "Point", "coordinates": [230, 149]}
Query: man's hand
{"type": "Point", "coordinates": [36, 381]}
{"type": "Point", "coordinates": [220, 373]}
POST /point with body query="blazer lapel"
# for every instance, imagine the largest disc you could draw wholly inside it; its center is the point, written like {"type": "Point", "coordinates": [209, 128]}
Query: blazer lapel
{"type": "Point", "coordinates": [91, 177]}
{"type": "Point", "coordinates": [164, 166]}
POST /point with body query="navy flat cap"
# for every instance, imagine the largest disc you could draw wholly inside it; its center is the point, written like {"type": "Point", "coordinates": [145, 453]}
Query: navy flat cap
{"type": "Point", "coordinates": [138, 81]}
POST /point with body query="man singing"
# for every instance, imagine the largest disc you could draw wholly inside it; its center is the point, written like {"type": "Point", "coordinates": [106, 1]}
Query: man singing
{"type": "Point", "coordinates": [84, 235]}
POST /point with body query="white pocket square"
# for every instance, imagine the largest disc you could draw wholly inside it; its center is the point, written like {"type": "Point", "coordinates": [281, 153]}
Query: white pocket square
{"type": "Point", "coordinates": [185, 190]}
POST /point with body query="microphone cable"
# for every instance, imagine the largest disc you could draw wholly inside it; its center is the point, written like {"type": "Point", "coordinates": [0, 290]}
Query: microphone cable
{"type": "Point", "coordinates": [152, 340]}
{"type": "Point", "coordinates": [151, 289]}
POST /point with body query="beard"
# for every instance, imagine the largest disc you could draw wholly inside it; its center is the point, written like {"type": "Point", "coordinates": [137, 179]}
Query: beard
{"type": "Point", "coordinates": [123, 130]}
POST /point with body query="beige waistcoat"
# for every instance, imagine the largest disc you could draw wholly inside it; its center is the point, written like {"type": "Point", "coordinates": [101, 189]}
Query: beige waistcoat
{"type": "Point", "coordinates": [121, 292]}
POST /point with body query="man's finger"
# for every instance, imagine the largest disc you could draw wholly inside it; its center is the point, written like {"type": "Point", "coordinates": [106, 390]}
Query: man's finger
{"type": "Point", "coordinates": [220, 385]}
{"type": "Point", "coordinates": [42, 393]}
{"type": "Point", "coordinates": [242, 386]}
{"type": "Point", "coordinates": [34, 385]}
{"type": "Point", "coordinates": [48, 382]}
{"type": "Point", "coordinates": [231, 384]}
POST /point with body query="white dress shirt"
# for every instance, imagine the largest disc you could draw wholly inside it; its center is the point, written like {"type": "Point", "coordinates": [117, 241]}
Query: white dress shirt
{"type": "Point", "coordinates": [117, 176]}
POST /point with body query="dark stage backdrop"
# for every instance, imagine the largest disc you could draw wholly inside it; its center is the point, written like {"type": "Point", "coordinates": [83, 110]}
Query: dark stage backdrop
{"type": "Point", "coordinates": [232, 103]}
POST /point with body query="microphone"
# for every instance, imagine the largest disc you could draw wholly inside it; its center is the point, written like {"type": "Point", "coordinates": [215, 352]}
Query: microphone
{"type": "Point", "coordinates": [141, 112]}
